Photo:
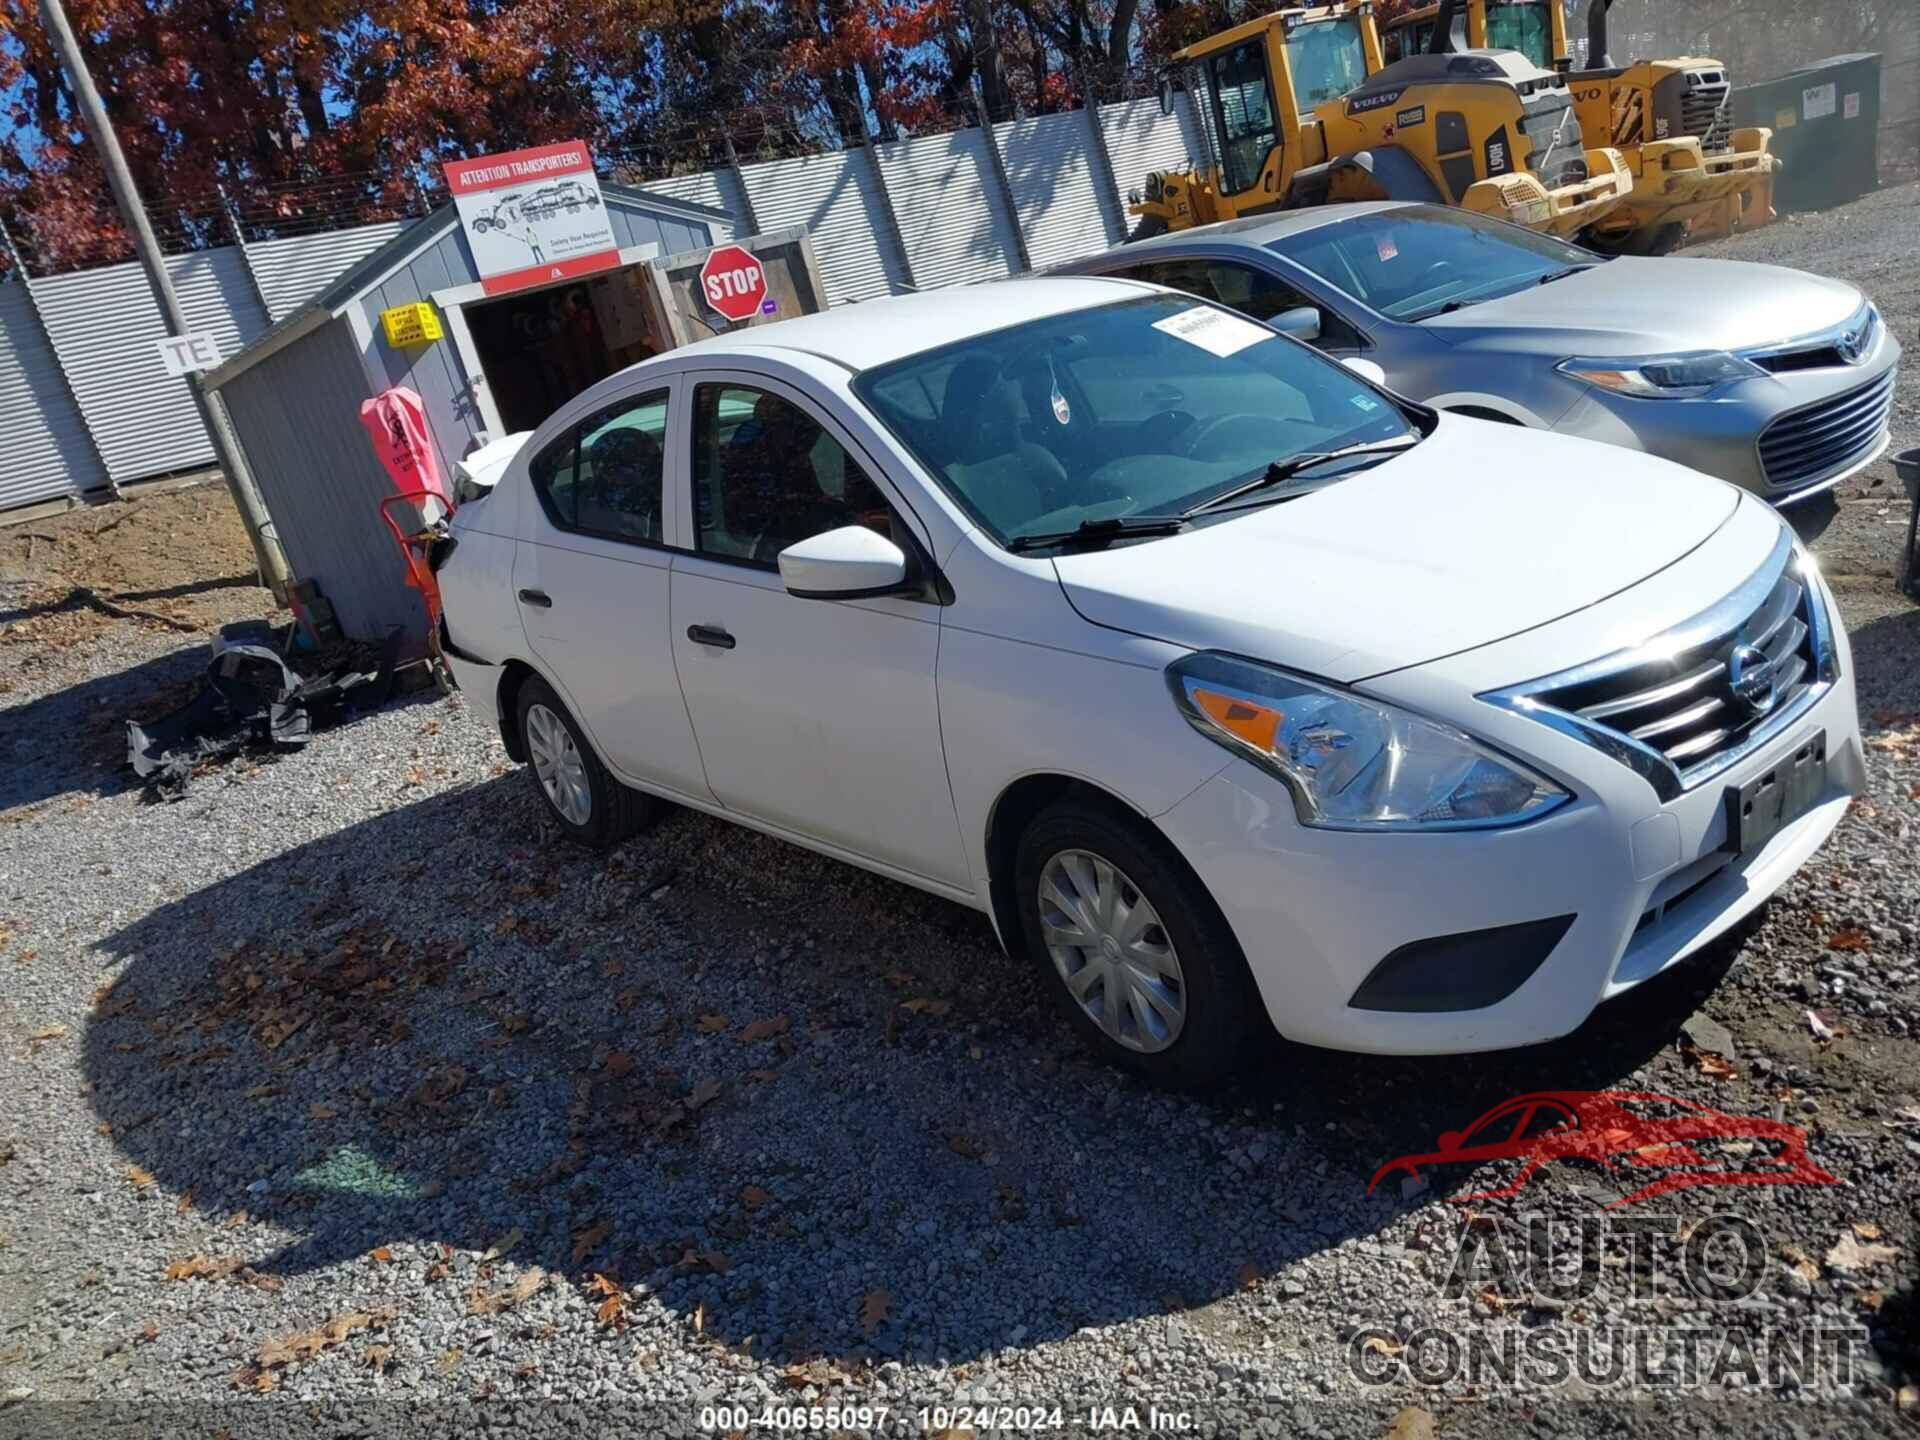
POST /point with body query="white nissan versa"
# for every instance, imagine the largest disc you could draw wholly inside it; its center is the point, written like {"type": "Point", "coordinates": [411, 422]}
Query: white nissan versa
{"type": "Point", "coordinates": [1227, 683]}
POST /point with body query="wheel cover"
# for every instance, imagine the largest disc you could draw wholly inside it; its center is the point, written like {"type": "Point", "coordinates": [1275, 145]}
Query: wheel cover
{"type": "Point", "coordinates": [1112, 951]}
{"type": "Point", "coordinates": [558, 764]}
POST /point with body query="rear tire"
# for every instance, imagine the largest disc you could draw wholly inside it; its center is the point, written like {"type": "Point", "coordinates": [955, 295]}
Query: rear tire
{"type": "Point", "coordinates": [1135, 952]}
{"type": "Point", "coordinates": [585, 801]}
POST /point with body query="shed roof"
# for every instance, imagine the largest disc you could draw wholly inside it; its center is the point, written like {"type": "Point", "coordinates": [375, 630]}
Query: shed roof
{"type": "Point", "coordinates": [367, 274]}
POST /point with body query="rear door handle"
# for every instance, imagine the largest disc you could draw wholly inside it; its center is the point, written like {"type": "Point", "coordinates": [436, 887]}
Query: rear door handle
{"type": "Point", "coordinates": [710, 635]}
{"type": "Point", "coordinates": [536, 597]}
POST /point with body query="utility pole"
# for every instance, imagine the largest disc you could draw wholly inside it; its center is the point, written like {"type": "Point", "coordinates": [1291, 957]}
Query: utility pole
{"type": "Point", "coordinates": [213, 411]}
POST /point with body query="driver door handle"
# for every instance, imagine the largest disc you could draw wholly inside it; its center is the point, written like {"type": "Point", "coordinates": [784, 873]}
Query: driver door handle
{"type": "Point", "coordinates": [536, 597]}
{"type": "Point", "coordinates": [710, 635]}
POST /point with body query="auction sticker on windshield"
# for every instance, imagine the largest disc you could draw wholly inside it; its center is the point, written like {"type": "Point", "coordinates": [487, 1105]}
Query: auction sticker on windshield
{"type": "Point", "coordinates": [1213, 330]}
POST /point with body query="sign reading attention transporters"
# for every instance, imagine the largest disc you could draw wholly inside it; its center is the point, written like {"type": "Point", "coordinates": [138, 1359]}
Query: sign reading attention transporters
{"type": "Point", "coordinates": [533, 216]}
{"type": "Point", "coordinates": [734, 282]}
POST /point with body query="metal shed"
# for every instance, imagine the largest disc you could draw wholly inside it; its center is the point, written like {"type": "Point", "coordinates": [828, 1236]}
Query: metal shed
{"type": "Point", "coordinates": [295, 393]}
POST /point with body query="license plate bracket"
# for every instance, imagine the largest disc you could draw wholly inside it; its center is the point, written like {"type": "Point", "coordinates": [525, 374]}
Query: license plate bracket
{"type": "Point", "coordinates": [1764, 806]}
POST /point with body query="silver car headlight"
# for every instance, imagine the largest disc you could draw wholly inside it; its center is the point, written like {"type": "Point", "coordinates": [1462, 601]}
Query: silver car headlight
{"type": "Point", "coordinates": [1353, 763]}
{"type": "Point", "coordinates": [1671, 377]}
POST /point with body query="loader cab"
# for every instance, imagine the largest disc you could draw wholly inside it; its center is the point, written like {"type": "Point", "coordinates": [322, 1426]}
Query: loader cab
{"type": "Point", "coordinates": [1537, 29]}
{"type": "Point", "coordinates": [1261, 81]}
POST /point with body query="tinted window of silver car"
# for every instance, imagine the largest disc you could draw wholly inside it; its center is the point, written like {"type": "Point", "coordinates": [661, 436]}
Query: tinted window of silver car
{"type": "Point", "coordinates": [1253, 292]}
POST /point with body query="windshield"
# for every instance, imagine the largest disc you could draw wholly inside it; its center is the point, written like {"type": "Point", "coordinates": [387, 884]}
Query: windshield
{"type": "Point", "coordinates": [1145, 407]}
{"type": "Point", "coordinates": [1521, 27]}
{"type": "Point", "coordinates": [1327, 60]}
{"type": "Point", "coordinates": [1413, 263]}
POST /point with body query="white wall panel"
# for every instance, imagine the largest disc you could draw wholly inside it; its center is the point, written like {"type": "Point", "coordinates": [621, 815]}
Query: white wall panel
{"type": "Point", "coordinates": [294, 270]}
{"type": "Point", "coordinates": [954, 227]}
{"type": "Point", "coordinates": [1056, 187]}
{"type": "Point", "coordinates": [834, 196]}
{"type": "Point", "coordinates": [41, 434]}
{"type": "Point", "coordinates": [1139, 139]}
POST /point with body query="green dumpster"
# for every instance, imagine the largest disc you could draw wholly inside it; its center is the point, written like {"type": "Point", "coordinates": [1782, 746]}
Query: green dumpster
{"type": "Point", "coordinates": [1825, 119]}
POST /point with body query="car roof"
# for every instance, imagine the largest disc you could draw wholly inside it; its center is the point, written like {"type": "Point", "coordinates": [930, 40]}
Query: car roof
{"type": "Point", "coordinates": [877, 332]}
{"type": "Point", "coordinates": [1257, 229]}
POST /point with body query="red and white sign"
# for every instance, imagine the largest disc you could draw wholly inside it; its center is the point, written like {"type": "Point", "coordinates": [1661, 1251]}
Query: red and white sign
{"type": "Point", "coordinates": [533, 216]}
{"type": "Point", "coordinates": [734, 282]}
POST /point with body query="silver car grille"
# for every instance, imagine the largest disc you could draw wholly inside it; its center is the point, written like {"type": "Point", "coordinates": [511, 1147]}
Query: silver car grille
{"type": "Point", "coordinates": [1688, 703]}
{"type": "Point", "coordinates": [1807, 445]}
{"type": "Point", "coordinates": [1705, 110]}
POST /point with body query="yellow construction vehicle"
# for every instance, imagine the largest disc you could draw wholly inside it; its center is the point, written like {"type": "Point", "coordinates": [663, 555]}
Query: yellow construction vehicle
{"type": "Point", "coordinates": [1298, 109]}
{"type": "Point", "coordinates": [1668, 118]}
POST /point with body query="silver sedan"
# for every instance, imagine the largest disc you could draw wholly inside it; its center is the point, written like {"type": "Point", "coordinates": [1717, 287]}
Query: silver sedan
{"type": "Point", "coordinates": [1776, 380]}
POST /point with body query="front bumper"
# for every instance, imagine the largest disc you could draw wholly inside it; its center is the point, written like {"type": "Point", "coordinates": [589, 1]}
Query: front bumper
{"type": "Point", "coordinates": [1720, 434]}
{"type": "Point", "coordinates": [1648, 883]}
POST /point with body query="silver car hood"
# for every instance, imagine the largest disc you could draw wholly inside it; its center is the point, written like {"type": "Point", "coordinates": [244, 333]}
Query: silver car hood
{"type": "Point", "coordinates": [1646, 306]}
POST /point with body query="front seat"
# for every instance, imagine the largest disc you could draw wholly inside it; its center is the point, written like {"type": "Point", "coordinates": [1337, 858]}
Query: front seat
{"type": "Point", "coordinates": [622, 493]}
{"type": "Point", "coordinates": [1007, 477]}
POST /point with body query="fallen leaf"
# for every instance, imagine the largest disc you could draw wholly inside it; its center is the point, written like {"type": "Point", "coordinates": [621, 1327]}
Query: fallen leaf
{"type": "Point", "coordinates": [501, 1246]}
{"type": "Point", "coordinates": [149, 1332]}
{"type": "Point", "coordinates": [1852, 1255]}
{"type": "Point", "coordinates": [875, 1306]}
{"type": "Point", "coordinates": [1247, 1276]}
{"type": "Point", "coordinates": [1822, 1031]}
{"type": "Point", "coordinates": [433, 1189]}
{"type": "Point", "coordinates": [703, 1094]}
{"type": "Point", "coordinates": [699, 1318]}
{"type": "Point", "coordinates": [612, 1312]}
{"type": "Point", "coordinates": [710, 1024]}
{"type": "Point", "coordinates": [381, 1255]}
{"type": "Point", "coordinates": [304, 1345]}
{"type": "Point", "coordinates": [438, 1270]}
{"type": "Point", "coordinates": [1412, 1423]}
{"type": "Point", "coordinates": [1381, 1345]}
{"type": "Point", "coordinates": [712, 1260]}
{"type": "Point", "coordinates": [753, 1198]}
{"type": "Point", "coordinates": [600, 1286]}
{"type": "Point", "coordinates": [50, 1032]}
{"type": "Point", "coordinates": [1714, 1067]}
{"type": "Point", "coordinates": [138, 1178]}
{"type": "Point", "coordinates": [498, 1302]}
{"type": "Point", "coordinates": [1801, 1263]}
{"type": "Point", "coordinates": [619, 1064]}
{"type": "Point", "coordinates": [964, 1145]}
{"type": "Point", "coordinates": [935, 1008]}
{"type": "Point", "coordinates": [379, 1357]}
{"type": "Point", "coordinates": [589, 1239]}
{"type": "Point", "coordinates": [321, 1112]}
{"type": "Point", "coordinates": [450, 1361]}
{"type": "Point", "coordinates": [1849, 937]}
{"type": "Point", "coordinates": [899, 979]}
{"type": "Point", "coordinates": [764, 1029]}
{"type": "Point", "coordinates": [1865, 1230]}
{"type": "Point", "coordinates": [201, 1267]}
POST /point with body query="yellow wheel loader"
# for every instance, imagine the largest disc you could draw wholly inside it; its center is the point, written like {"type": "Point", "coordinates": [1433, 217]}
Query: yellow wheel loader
{"type": "Point", "coordinates": [1668, 118]}
{"type": "Point", "coordinates": [1298, 109]}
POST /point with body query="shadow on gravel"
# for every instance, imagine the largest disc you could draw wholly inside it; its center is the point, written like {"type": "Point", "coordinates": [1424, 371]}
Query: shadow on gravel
{"type": "Point", "coordinates": [74, 741]}
{"type": "Point", "coordinates": [769, 1086]}
{"type": "Point", "coordinates": [1886, 666]}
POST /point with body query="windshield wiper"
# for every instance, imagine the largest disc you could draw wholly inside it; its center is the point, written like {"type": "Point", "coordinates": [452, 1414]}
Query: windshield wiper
{"type": "Point", "coordinates": [1293, 465]}
{"type": "Point", "coordinates": [1101, 532]}
{"type": "Point", "coordinates": [1553, 275]}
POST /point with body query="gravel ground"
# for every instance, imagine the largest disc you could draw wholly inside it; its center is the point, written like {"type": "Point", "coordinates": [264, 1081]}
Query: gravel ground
{"type": "Point", "coordinates": [342, 1082]}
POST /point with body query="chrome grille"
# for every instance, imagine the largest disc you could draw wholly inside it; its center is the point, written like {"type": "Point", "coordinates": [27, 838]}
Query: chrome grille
{"type": "Point", "coordinates": [1686, 704]}
{"type": "Point", "coordinates": [1818, 440]}
{"type": "Point", "coordinates": [1705, 111]}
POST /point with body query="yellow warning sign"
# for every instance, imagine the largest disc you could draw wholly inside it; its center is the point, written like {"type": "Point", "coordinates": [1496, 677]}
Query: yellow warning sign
{"type": "Point", "coordinates": [413, 324]}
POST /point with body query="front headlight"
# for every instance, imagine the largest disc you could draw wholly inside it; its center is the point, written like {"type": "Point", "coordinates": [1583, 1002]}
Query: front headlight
{"type": "Point", "coordinates": [1350, 762]}
{"type": "Point", "coordinates": [1672, 377]}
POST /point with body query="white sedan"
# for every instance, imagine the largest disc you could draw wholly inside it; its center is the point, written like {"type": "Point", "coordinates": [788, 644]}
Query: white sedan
{"type": "Point", "coordinates": [1227, 683]}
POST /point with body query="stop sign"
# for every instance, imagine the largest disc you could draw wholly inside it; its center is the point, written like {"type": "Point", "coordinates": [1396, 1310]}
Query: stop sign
{"type": "Point", "coordinates": [734, 282]}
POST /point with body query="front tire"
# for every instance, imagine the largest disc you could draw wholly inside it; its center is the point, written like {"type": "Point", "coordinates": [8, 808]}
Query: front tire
{"type": "Point", "coordinates": [585, 801]}
{"type": "Point", "coordinates": [1136, 954]}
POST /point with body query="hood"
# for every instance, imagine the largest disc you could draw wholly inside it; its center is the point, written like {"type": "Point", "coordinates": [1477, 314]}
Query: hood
{"type": "Point", "coordinates": [1480, 532]}
{"type": "Point", "coordinates": [1637, 305]}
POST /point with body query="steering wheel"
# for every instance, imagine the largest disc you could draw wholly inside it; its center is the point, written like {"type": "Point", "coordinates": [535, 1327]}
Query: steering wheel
{"type": "Point", "coordinates": [1162, 431]}
{"type": "Point", "coordinates": [1228, 435]}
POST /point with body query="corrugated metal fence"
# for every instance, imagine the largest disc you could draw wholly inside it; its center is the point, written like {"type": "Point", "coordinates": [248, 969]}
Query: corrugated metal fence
{"type": "Point", "coordinates": [84, 402]}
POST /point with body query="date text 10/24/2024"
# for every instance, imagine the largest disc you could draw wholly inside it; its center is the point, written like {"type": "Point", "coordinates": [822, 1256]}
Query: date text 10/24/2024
{"type": "Point", "coordinates": [939, 1419]}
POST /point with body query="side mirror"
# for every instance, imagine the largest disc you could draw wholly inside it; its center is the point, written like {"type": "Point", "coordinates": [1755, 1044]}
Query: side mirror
{"type": "Point", "coordinates": [1366, 369]}
{"type": "Point", "coordinates": [1165, 92]}
{"type": "Point", "coordinates": [1302, 322]}
{"type": "Point", "coordinates": [850, 563]}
